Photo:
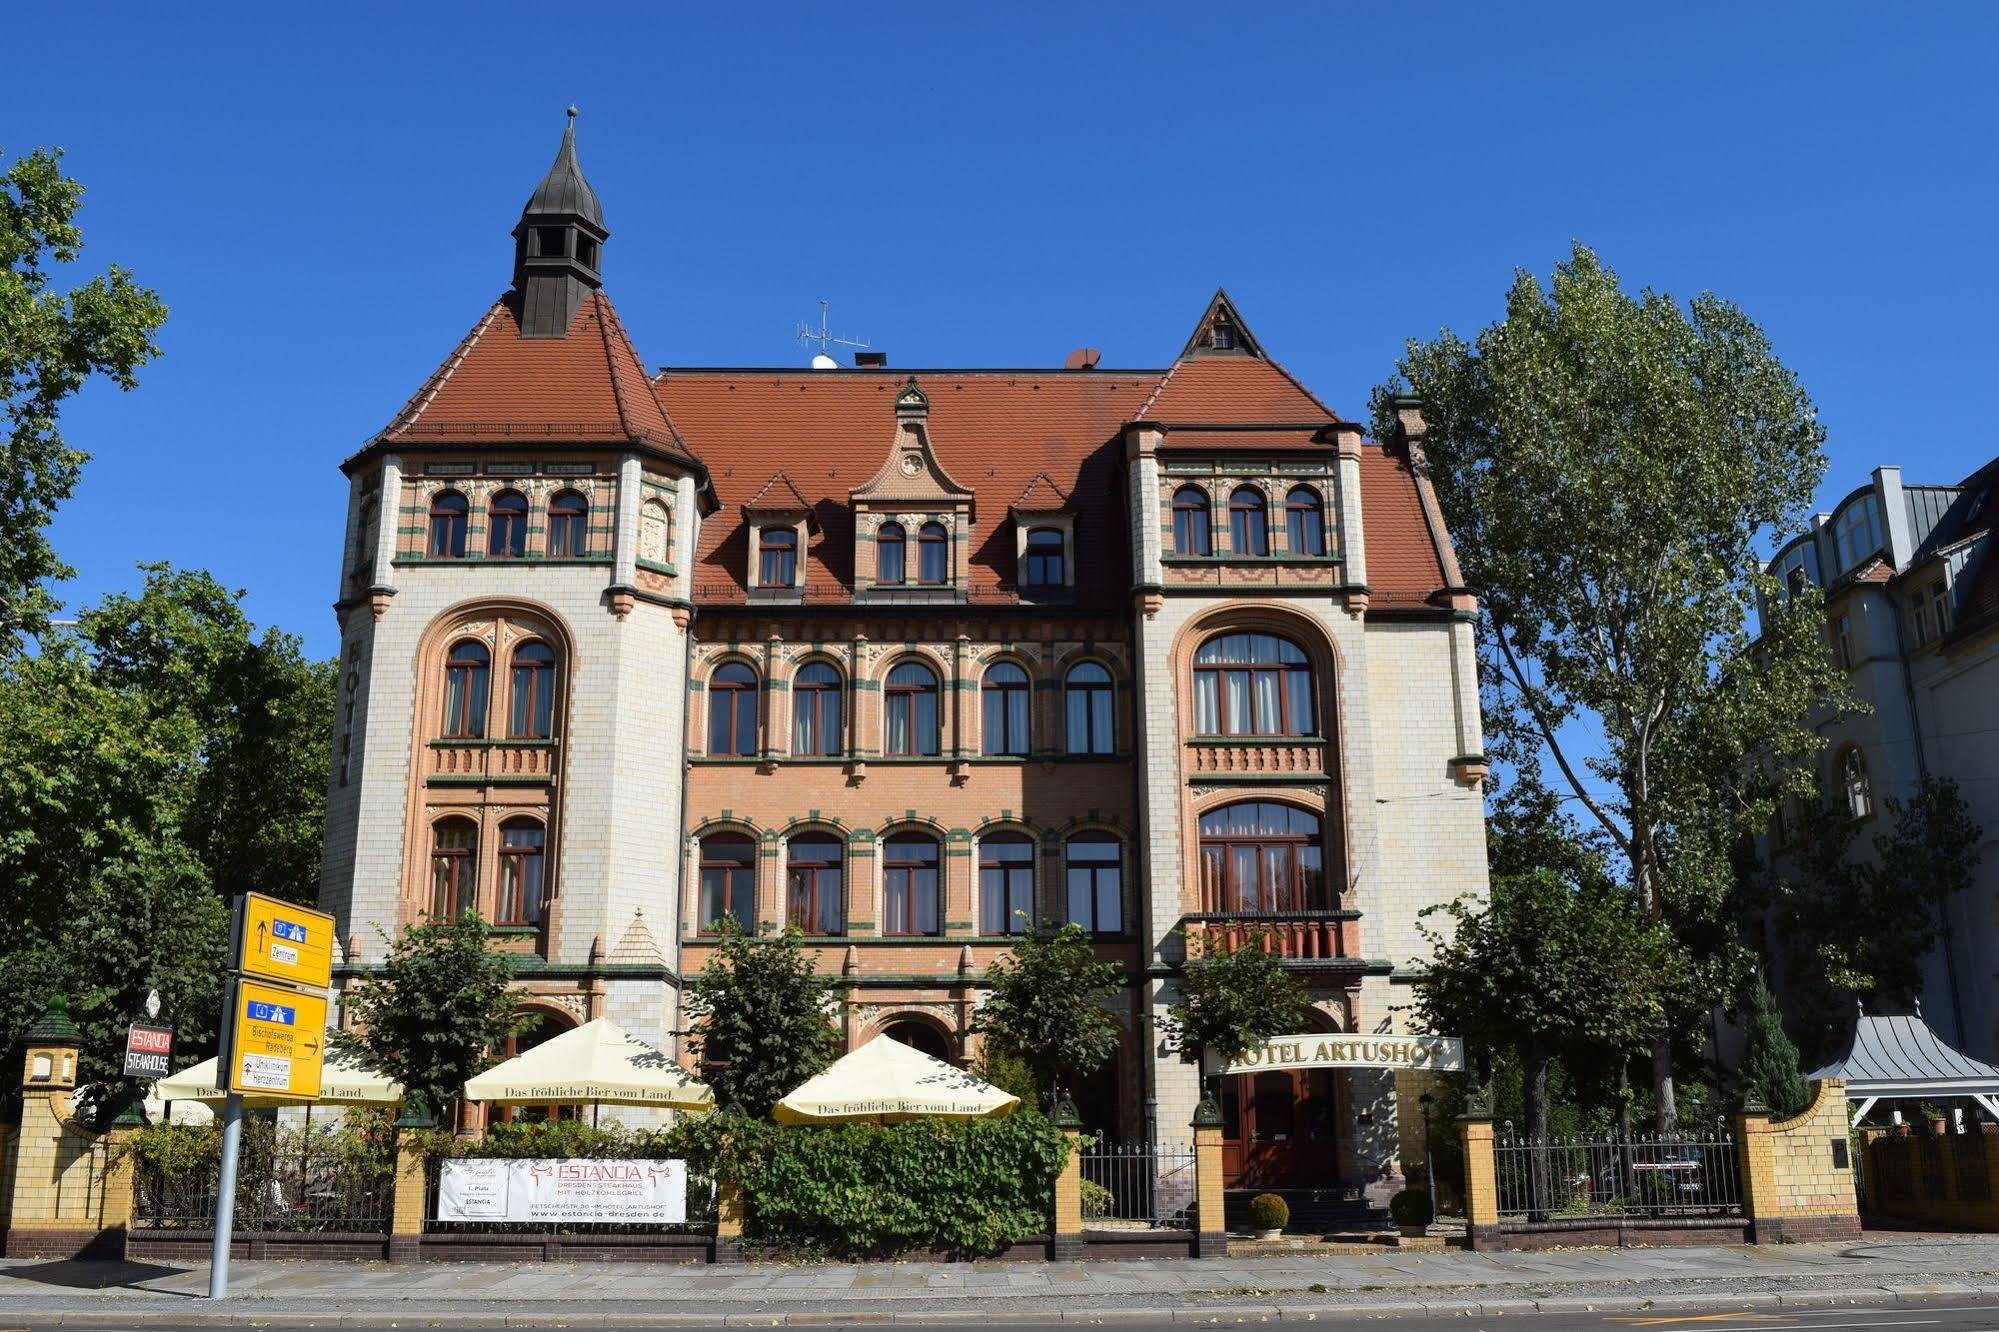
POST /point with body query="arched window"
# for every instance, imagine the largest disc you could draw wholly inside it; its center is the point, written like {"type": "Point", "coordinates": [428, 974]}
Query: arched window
{"type": "Point", "coordinates": [1190, 522]}
{"type": "Point", "coordinates": [812, 886]}
{"type": "Point", "coordinates": [568, 525]}
{"type": "Point", "coordinates": [454, 867]}
{"type": "Point", "coordinates": [728, 881]}
{"type": "Point", "coordinates": [531, 711]}
{"type": "Point", "coordinates": [911, 710]}
{"type": "Point", "coordinates": [465, 678]}
{"type": "Point", "coordinates": [777, 558]}
{"type": "Point", "coordinates": [889, 549]}
{"type": "Point", "coordinates": [1258, 857]}
{"type": "Point", "coordinates": [933, 551]}
{"type": "Point", "coordinates": [815, 710]}
{"type": "Point", "coordinates": [364, 535]}
{"type": "Point", "coordinates": [1305, 522]}
{"type": "Point", "coordinates": [1044, 558]}
{"type": "Point", "coordinates": [732, 710]}
{"type": "Point", "coordinates": [507, 524]}
{"type": "Point", "coordinates": [909, 885]}
{"type": "Point", "coordinates": [1006, 884]}
{"type": "Point", "coordinates": [1854, 783]}
{"type": "Point", "coordinates": [541, 1025]}
{"type": "Point", "coordinates": [1086, 696]}
{"type": "Point", "coordinates": [447, 525]}
{"type": "Point", "coordinates": [1004, 713]}
{"type": "Point", "coordinates": [1252, 684]}
{"type": "Point", "coordinates": [522, 842]}
{"type": "Point", "coordinates": [1095, 883]}
{"type": "Point", "coordinates": [922, 1036]}
{"type": "Point", "coordinates": [653, 527]}
{"type": "Point", "coordinates": [1249, 532]}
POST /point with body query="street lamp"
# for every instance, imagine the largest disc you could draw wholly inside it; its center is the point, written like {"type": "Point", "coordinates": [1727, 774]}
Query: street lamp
{"type": "Point", "coordinates": [1426, 1101]}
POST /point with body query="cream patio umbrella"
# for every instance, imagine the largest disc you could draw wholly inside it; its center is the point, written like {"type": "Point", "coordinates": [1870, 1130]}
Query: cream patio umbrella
{"type": "Point", "coordinates": [888, 1082]}
{"type": "Point", "coordinates": [598, 1063]}
{"type": "Point", "coordinates": [345, 1080]}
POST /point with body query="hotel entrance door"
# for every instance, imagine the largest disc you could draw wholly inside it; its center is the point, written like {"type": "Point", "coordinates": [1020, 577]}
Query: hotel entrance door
{"type": "Point", "coordinates": [1280, 1130]}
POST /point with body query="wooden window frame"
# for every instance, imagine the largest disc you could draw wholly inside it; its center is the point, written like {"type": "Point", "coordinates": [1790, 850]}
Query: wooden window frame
{"type": "Point", "coordinates": [990, 686]}
{"type": "Point", "coordinates": [1095, 870]}
{"type": "Point", "coordinates": [1225, 894]}
{"type": "Point", "coordinates": [466, 726]}
{"type": "Point", "coordinates": [733, 691]}
{"type": "Point", "coordinates": [1089, 689]}
{"type": "Point", "coordinates": [785, 551]}
{"type": "Point", "coordinates": [501, 542]}
{"type": "Point", "coordinates": [568, 525]}
{"type": "Point", "coordinates": [933, 536]}
{"type": "Point", "coordinates": [1245, 503]}
{"type": "Point", "coordinates": [512, 870]}
{"type": "Point", "coordinates": [1197, 507]}
{"type": "Point", "coordinates": [804, 882]}
{"type": "Point", "coordinates": [1302, 505]}
{"type": "Point", "coordinates": [906, 695]}
{"type": "Point", "coordinates": [907, 881]}
{"type": "Point", "coordinates": [540, 680]}
{"type": "Point", "coordinates": [806, 699]}
{"type": "Point", "coordinates": [457, 518]}
{"type": "Point", "coordinates": [1009, 923]}
{"type": "Point", "coordinates": [1036, 563]}
{"type": "Point", "coordinates": [730, 865]}
{"type": "Point", "coordinates": [457, 891]}
{"type": "Point", "coordinates": [892, 534]}
{"type": "Point", "coordinates": [1287, 726]}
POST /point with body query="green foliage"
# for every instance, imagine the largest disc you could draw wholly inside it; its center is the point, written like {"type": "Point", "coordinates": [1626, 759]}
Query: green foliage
{"type": "Point", "coordinates": [176, 1167]}
{"type": "Point", "coordinates": [51, 343]}
{"type": "Point", "coordinates": [1006, 1070]}
{"type": "Point", "coordinates": [1609, 465]}
{"type": "Point", "coordinates": [436, 1012]}
{"type": "Point", "coordinates": [1267, 1211]}
{"type": "Point", "coordinates": [1769, 1071]}
{"type": "Point", "coordinates": [1098, 1201]}
{"type": "Point", "coordinates": [1412, 1207]}
{"type": "Point", "coordinates": [1858, 926]}
{"type": "Point", "coordinates": [1547, 967]}
{"type": "Point", "coordinates": [873, 1190]}
{"type": "Point", "coordinates": [761, 1026]}
{"type": "Point", "coordinates": [1047, 1006]}
{"type": "Point", "coordinates": [1231, 999]}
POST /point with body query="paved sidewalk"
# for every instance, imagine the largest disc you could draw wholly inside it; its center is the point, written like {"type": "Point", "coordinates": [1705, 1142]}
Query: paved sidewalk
{"type": "Point", "coordinates": [1881, 1268]}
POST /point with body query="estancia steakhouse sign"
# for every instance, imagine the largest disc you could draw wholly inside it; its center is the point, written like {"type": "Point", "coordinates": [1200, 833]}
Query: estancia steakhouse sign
{"type": "Point", "coordinates": [1431, 1054]}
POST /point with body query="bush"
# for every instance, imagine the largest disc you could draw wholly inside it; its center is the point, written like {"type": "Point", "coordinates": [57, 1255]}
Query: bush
{"type": "Point", "coordinates": [1412, 1207]}
{"type": "Point", "coordinates": [1097, 1200]}
{"type": "Point", "coordinates": [1267, 1211]}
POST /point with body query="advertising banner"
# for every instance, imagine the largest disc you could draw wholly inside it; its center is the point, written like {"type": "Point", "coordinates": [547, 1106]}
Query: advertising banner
{"type": "Point", "coordinates": [647, 1192]}
{"type": "Point", "coordinates": [149, 1051]}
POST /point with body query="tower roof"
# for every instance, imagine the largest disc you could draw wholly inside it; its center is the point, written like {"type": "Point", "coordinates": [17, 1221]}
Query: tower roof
{"type": "Point", "coordinates": [563, 192]}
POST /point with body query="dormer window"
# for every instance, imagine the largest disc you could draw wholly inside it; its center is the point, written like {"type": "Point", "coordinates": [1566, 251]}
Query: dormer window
{"type": "Point", "coordinates": [777, 564]}
{"type": "Point", "coordinates": [549, 243]}
{"type": "Point", "coordinates": [933, 550]}
{"type": "Point", "coordinates": [1224, 335]}
{"type": "Point", "coordinates": [1044, 558]}
{"type": "Point", "coordinates": [890, 548]}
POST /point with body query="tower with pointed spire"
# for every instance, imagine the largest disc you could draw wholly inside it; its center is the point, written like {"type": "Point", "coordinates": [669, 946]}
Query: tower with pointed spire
{"type": "Point", "coordinates": [558, 245]}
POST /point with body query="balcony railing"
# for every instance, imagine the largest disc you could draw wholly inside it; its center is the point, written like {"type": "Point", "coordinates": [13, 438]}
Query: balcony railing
{"type": "Point", "coordinates": [1251, 756]}
{"type": "Point", "coordinates": [491, 760]}
{"type": "Point", "coordinates": [1294, 935]}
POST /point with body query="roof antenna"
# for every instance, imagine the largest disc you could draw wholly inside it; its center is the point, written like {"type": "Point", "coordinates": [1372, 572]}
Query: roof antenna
{"type": "Point", "coordinates": [823, 360]}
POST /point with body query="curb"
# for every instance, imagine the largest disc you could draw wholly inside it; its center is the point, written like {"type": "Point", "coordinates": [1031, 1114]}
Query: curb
{"type": "Point", "coordinates": [1265, 1311]}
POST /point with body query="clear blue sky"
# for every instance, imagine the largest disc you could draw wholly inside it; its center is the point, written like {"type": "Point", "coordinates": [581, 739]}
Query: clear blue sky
{"type": "Point", "coordinates": [323, 195]}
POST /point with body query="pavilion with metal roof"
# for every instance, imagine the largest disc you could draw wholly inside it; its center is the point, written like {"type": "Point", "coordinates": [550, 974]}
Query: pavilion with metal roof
{"type": "Point", "coordinates": [1901, 1057]}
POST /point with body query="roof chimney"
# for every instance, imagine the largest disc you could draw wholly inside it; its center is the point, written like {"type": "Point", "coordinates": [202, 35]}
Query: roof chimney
{"type": "Point", "coordinates": [870, 360]}
{"type": "Point", "coordinates": [1083, 358]}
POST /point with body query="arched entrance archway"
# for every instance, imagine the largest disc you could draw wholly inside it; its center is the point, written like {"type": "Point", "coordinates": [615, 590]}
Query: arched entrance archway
{"type": "Point", "coordinates": [919, 1034]}
{"type": "Point", "coordinates": [1280, 1128]}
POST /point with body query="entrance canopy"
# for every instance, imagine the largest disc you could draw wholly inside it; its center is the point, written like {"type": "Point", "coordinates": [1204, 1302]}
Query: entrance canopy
{"type": "Point", "coordinates": [345, 1080]}
{"type": "Point", "coordinates": [1902, 1057]}
{"type": "Point", "coordinates": [598, 1063]}
{"type": "Point", "coordinates": [888, 1082]}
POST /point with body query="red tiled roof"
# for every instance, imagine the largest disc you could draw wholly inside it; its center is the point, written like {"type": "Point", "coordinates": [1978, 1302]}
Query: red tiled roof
{"type": "Point", "coordinates": [1402, 565]}
{"type": "Point", "coordinates": [829, 430]}
{"type": "Point", "coordinates": [1042, 496]}
{"type": "Point", "coordinates": [778, 495]}
{"type": "Point", "coordinates": [1247, 390]}
{"type": "Point", "coordinates": [585, 387]}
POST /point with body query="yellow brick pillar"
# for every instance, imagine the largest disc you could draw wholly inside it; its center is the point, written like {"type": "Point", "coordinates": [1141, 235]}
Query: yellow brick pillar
{"type": "Point", "coordinates": [121, 1176]}
{"type": "Point", "coordinates": [41, 1221]}
{"type": "Point", "coordinates": [1066, 1226]}
{"type": "Point", "coordinates": [730, 1209]}
{"type": "Point", "coordinates": [1481, 1177]}
{"type": "Point", "coordinates": [1756, 1155]}
{"type": "Point", "coordinates": [1211, 1230]}
{"type": "Point", "coordinates": [410, 1207]}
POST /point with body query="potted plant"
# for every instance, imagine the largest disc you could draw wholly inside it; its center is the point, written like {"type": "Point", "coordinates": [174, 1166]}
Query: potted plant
{"type": "Point", "coordinates": [1412, 1212]}
{"type": "Point", "coordinates": [1268, 1215]}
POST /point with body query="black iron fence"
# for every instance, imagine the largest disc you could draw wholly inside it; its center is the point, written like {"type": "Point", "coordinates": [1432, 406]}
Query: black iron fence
{"type": "Point", "coordinates": [1138, 1185]}
{"type": "Point", "coordinates": [287, 1190]}
{"type": "Point", "coordinates": [1659, 1177]}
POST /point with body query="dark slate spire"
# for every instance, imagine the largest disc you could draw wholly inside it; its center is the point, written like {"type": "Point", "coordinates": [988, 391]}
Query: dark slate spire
{"type": "Point", "coordinates": [558, 244]}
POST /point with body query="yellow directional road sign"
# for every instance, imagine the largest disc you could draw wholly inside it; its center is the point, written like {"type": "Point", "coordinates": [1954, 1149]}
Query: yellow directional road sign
{"type": "Point", "coordinates": [281, 942]}
{"type": "Point", "coordinates": [274, 1042]}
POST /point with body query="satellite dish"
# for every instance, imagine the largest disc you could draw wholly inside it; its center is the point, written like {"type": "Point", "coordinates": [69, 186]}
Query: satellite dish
{"type": "Point", "coordinates": [822, 361]}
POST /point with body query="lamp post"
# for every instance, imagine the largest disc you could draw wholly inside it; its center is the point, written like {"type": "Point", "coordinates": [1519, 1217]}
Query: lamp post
{"type": "Point", "coordinates": [1426, 1100]}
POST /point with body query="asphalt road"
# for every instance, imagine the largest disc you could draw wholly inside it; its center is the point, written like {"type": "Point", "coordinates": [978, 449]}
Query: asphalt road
{"type": "Point", "coordinates": [1942, 1314]}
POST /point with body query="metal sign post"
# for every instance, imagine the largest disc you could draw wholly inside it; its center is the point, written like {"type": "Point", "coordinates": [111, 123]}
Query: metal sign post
{"type": "Point", "coordinates": [225, 1197]}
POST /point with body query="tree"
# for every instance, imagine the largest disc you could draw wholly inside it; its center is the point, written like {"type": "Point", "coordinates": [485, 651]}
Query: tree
{"type": "Point", "coordinates": [1769, 1071]}
{"type": "Point", "coordinates": [51, 343]}
{"type": "Point", "coordinates": [1857, 928]}
{"type": "Point", "coordinates": [761, 1026]}
{"type": "Point", "coordinates": [437, 1012]}
{"type": "Point", "coordinates": [264, 712]}
{"type": "Point", "coordinates": [1047, 1005]}
{"type": "Point", "coordinates": [1232, 999]}
{"type": "Point", "coordinates": [1546, 968]}
{"type": "Point", "coordinates": [1608, 465]}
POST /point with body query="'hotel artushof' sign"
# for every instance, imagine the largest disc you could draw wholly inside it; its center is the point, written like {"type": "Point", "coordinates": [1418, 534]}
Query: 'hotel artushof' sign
{"type": "Point", "coordinates": [1439, 1054]}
